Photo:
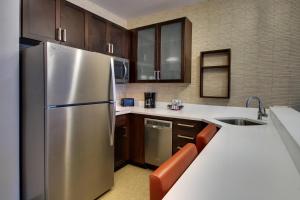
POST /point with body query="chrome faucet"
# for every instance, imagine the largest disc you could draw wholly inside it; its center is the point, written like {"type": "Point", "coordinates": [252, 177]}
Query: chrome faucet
{"type": "Point", "coordinates": [261, 108]}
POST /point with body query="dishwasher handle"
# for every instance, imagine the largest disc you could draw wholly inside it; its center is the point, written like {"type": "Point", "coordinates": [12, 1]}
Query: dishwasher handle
{"type": "Point", "coordinates": [157, 124]}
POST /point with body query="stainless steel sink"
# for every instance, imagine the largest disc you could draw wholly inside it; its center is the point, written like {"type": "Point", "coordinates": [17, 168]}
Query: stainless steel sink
{"type": "Point", "coordinates": [241, 121]}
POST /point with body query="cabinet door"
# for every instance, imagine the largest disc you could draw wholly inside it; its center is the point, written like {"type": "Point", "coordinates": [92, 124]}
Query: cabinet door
{"type": "Point", "coordinates": [146, 58]}
{"type": "Point", "coordinates": [38, 19]}
{"type": "Point", "coordinates": [73, 22]}
{"type": "Point", "coordinates": [171, 51]}
{"type": "Point", "coordinates": [137, 144]}
{"type": "Point", "coordinates": [96, 38]}
{"type": "Point", "coordinates": [121, 146]}
{"type": "Point", "coordinates": [121, 141]}
{"type": "Point", "coordinates": [115, 37]}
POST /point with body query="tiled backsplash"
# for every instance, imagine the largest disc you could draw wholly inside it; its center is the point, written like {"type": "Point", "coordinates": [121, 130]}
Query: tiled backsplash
{"type": "Point", "coordinates": [265, 42]}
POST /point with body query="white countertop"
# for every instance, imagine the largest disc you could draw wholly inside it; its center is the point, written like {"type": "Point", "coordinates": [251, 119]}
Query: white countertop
{"type": "Point", "coordinates": [290, 118]}
{"type": "Point", "coordinates": [192, 111]}
{"type": "Point", "coordinates": [239, 163]}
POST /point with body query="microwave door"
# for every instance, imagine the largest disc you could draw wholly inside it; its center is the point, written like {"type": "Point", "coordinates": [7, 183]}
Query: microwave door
{"type": "Point", "coordinates": [120, 71]}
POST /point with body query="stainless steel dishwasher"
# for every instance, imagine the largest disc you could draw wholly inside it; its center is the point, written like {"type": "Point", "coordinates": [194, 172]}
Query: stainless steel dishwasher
{"type": "Point", "coordinates": [158, 141]}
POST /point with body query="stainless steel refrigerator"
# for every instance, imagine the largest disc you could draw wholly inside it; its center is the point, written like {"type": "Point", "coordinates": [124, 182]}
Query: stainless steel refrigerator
{"type": "Point", "coordinates": [68, 116]}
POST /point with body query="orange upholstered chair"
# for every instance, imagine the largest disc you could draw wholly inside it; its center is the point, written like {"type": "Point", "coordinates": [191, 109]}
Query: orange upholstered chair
{"type": "Point", "coordinates": [203, 138]}
{"type": "Point", "coordinates": [164, 177]}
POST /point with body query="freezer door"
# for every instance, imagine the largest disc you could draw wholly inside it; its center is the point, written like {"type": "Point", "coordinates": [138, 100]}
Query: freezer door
{"type": "Point", "coordinates": [76, 76]}
{"type": "Point", "coordinates": [79, 157]}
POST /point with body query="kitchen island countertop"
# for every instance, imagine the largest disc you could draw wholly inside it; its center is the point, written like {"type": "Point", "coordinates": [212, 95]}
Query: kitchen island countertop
{"type": "Point", "coordinates": [240, 162]}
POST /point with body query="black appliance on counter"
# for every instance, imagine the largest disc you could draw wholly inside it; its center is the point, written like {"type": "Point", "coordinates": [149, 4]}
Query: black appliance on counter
{"type": "Point", "coordinates": [126, 102]}
{"type": "Point", "coordinates": [149, 100]}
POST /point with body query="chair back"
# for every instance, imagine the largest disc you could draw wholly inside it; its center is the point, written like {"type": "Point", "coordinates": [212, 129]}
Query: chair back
{"type": "Point", "coordinates": [203, 138]}
{"type": "Point", "coordinates": [165, 176]}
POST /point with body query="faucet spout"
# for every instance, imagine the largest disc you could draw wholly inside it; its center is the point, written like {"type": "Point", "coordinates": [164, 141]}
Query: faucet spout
{"type": "Point", "coordinates": [261, 109]}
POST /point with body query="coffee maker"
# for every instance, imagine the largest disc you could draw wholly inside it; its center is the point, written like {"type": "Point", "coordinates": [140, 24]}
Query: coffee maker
{"type": "Point", "coordinates": [149, 100]}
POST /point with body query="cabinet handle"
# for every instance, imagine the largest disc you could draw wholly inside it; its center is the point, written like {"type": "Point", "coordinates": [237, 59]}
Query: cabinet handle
{"type": "Point", "coordinates": [59, 34]}
{"type": "Point", "coordinates": [64, 35]}
{"type": "Point", "coordinates": [154, 75]}
{"type": "Point", "coordinates": [185, 137]}
{"type": "Point", "coordinates": [108, 44]}
{"type": "Point", "coordinates": [186, 125]}
{"type": "Point", "coordinates": [158, 75]}
{"type": "Point", "coordinates": [112, 48]}
{"type": "Point", "coordinates": [178, 147]}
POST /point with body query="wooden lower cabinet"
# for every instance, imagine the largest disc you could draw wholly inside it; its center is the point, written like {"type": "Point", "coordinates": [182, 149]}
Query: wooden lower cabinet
{"type": "Point", "coordinates": [121, 141]}
{"type": "Point", "coordinates": [137, 144]}
{"type": "Point", "coordinates": [185, 131]}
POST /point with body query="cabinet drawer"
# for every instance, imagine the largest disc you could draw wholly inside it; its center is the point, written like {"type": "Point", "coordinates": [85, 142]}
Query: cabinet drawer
{"type": "Point", "coordinates": [185, 131]}
{"type": "Point", "coordinates": [179, 140]}
{"type": "Point", "coordinates": [188, 126]}
{"type": "Point", "coordinates": [185, 137]}
{"type": "Point", "coordinates": [122, 120]}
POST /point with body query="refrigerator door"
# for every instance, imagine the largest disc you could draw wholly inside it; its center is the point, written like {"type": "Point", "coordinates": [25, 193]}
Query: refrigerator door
{"type": "Point", "coordinates": [76, 76]}
{"type": "Point", "coordinates": [79, 161]}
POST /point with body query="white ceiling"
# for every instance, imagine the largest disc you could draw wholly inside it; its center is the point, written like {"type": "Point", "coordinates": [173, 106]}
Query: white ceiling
{"type": "Point", "coordinates": [134, 8]}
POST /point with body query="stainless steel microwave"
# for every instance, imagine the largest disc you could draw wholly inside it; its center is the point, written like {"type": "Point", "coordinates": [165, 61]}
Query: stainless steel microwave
{"type": "Point", "coordinates": [121, 68]}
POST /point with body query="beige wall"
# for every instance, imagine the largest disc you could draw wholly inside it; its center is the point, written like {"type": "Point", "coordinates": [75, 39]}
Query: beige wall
{"type": "Point", "coordinates": [264, 36]}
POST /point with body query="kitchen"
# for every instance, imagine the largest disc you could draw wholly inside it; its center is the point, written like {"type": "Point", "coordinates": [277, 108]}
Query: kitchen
{"type": "Point", "coordinates": [202, 58]}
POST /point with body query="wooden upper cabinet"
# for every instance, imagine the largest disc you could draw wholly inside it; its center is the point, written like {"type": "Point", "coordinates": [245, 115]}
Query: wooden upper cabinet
{"type": "Point", "coordinates": [38, 19]}
{"type": "Point", "coordinates": [106, 37]}
{"type": "Point", "coordinates": [72, 22]}
{"type": "Point", "coordinates": [115, 36]}
{"type": "Point", "coordinates": [65, 23]}
{"type": "Point", "coordinates": [145, 54]}
{"type": "Point", "coordinates": [162, 52]}
{"type": "Point", "coordinates": [55, 21]}
{"type": "Point", "coordinates": [96, 36]}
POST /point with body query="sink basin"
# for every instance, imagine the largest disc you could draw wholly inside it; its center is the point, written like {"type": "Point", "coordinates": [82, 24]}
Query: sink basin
{"type": "Point", "coordinates": [241, 121]}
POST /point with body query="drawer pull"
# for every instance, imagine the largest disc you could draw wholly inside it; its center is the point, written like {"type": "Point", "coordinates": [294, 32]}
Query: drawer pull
{"type": "Point", "coordinates": [185, 137]}
{"type": "Point", "coordinates": [178, 147]}
{"type": "Point", "coordinates": [186, 125]}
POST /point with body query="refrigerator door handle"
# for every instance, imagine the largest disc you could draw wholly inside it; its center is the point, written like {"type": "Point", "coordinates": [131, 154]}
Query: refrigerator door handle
{"type": "Point", "coordinates": [113, 123]}
{"type": "Point", "coordinates": [112, 106]}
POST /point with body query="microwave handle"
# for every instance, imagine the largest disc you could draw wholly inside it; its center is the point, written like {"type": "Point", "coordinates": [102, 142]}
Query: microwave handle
{"type": "Point", "coordinates": [125, 71]}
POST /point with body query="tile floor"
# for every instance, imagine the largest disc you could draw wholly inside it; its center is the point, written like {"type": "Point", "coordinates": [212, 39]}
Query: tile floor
{"type": "Point", "coordinates": [131, 183]}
